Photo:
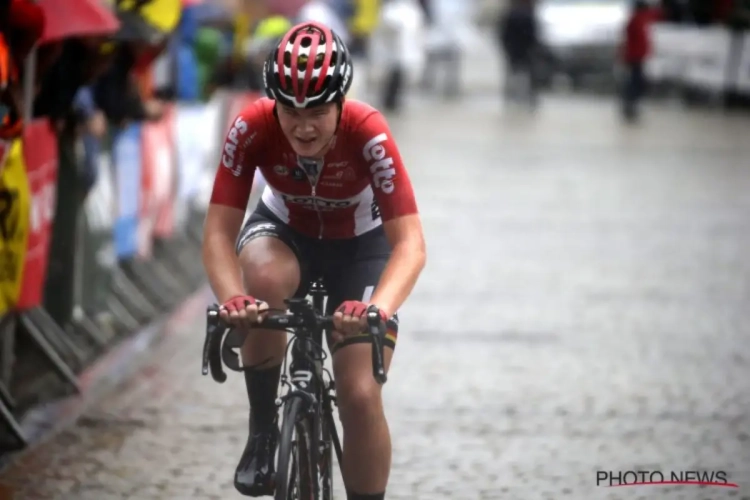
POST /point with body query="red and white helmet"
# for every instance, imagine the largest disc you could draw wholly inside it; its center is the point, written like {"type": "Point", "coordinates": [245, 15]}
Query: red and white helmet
{"type": "Point", "coordinates": [310, 66]}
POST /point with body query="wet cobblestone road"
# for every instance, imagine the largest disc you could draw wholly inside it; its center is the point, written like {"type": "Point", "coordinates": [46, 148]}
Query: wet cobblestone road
{"type": "Point", "coordinates": [584, 308]}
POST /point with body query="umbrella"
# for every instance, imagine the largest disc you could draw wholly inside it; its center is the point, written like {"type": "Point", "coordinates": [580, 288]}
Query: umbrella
{"type": "Point", "coordinates": [76, 18]}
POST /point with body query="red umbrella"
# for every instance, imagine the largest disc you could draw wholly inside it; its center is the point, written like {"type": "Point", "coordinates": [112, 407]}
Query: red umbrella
{"type": "Point", "coordinates": [26, 26]}
{"type": "Point", "coordinates": [76, 18]}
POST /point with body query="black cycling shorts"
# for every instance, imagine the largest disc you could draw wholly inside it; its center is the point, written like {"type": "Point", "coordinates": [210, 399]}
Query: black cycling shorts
{"type": "Point", "coordinates": [348, 268]}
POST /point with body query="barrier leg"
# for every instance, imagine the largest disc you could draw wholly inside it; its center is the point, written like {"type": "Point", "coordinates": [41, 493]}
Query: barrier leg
{"type": "Point", "coordinates": [195, 231]}
{"type": "Point", "coordinates": [121, 313]}
{"type": "Point", "coordinates": [79, 320]}
{"type": "Point", "coordinates": [8, 349]}
{"type": "Point", "coordinates": [146, 283]}
{"type": "Point", "coordinates": [179, 264]}
{"type": "Point", "coordinates": [39, 338]}
{"type": "Point", "coordinates": [14, 427]}
{"type": "Point", "coordinates": [124, 288]}
{"type": "Point", "coordinates": [85, 325]}
{"type": "Point", "coordinates": [8, 332]}
{"type": "Point", "coordinates": [191, 259]}
{"type": "Point", "coordinates": [6, 398]}
{"type": "Point", "coordinates": [172, 286]}
{"type": "Point", "coordinates": [56, 335]}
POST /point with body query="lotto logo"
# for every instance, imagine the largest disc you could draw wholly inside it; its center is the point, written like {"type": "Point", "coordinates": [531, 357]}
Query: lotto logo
{"type": "Point", "coordinates": [382, 169]}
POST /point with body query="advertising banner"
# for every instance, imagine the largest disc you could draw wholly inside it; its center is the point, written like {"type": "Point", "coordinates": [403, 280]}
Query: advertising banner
{"type": "Point", "coordinates": [40, 155]}
{"type": "Point", "coordinates": [126, 154]}
{"type": "Point", "coordinates": [698, 58]}
{"type": "Point", "coordinates": [165, 179]}
{"type": "Point", "coordinates": [157, 184]}
{"type": "Point", "coordinates": [743, 74]}
{"type": "Point", "coordinates": [14, 221]}
{"type": "Point", "coordinates": [709, 50]}
{"type": "Point", "coordinates": [670, 56]}
{"type": "Point", "coordinates": [216, 112]}
{"type": "Point", "coordinates": [98, 253]}
{"type": "Point", "coordinates": [194, 147]}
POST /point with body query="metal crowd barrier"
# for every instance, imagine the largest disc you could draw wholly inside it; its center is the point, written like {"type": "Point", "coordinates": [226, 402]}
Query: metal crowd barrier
{"type": "Point", "coordinates": [80, 272]}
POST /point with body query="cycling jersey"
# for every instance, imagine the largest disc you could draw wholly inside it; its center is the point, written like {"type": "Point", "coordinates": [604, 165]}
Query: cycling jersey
{"type": "Point", "coordinates": [360, 183]}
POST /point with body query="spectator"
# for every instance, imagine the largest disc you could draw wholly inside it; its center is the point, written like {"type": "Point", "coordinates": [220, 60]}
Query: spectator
{"type": "Point", "coordinates": [117, 92]}
{"type": "Point", "coordinates": [21, 26]}
{"type": "Point", "coordinates": [208, 45]}
{"type": "Point", "coordinates": [518, 34]}
{"type": "Point", "coordinates": [80, 62]}
{"type": "Point", "coordinates": [636, 49]}
{"type": "Point", "coordinates": [322, 11]}
{"type": "Point", "coordinates": [362, 24]}
{"type": "Point", "coordinates": [445, 20]}
{"type": "Point", "coordinates": [398, 50]}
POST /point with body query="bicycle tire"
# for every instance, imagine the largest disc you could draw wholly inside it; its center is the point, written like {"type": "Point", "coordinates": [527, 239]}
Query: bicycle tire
{"type": "Point", "coordinates": [293, 466]}
{"type": "Point", "coordinates": [325, 466]}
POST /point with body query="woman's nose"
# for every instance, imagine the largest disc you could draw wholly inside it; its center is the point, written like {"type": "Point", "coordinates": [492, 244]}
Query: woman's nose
{"type": "Point", "coordinates": [305, 125]}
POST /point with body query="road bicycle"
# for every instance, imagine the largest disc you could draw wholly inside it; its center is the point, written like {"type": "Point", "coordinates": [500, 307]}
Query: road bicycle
{"type": "Point", "coordinates": [308, 436]}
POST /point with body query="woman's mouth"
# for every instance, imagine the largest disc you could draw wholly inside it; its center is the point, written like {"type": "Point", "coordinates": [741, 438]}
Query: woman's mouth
{"type": "Point", "coordinates": [305, 141]}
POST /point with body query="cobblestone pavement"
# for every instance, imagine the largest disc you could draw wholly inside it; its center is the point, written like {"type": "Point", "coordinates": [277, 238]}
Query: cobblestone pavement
{"type": "Point", "coordinates": [597, 278]}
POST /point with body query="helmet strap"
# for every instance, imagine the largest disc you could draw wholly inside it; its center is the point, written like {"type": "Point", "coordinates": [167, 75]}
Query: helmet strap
{"type": "Point", "coordinates": [340, 105]}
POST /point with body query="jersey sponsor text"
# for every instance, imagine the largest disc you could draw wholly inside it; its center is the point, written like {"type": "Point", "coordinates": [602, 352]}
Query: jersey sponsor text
{"type": "Point", "coordinates": [382, 170]}
{"type": "Point", "coordinates": [228, 158]}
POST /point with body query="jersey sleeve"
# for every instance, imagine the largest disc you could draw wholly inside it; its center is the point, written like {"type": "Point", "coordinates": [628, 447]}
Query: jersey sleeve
{"type": "Point", "coordinates": [388, 176]}
{"type": "Point", "coordinates": [238, 159]}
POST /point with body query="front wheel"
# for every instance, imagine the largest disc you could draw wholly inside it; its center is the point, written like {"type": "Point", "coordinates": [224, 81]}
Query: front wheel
{"type": "Point", "coordinates": [325, 466]}
{"type": "Point", "coordinates": [295, 476]}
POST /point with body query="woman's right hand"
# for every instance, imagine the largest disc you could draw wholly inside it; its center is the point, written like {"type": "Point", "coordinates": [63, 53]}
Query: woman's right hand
{"type": "Point", "coordinates": [243, 311]}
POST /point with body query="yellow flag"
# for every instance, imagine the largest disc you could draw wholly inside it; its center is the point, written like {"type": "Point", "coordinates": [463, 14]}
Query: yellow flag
{"type": "Point", "coordinates": [161, 14]}
{"type": "Point", "coordinates": [14, 226]}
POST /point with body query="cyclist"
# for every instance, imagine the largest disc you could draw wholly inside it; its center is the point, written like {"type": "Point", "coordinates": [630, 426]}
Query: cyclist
{"type": "Point", "coordinates": [338, 205]}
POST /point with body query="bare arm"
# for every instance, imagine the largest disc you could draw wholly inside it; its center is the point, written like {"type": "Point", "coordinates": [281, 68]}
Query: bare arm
{"type": "Point", "coordinates": [226, 212]}
{"type": "Point", "coordinates": [408, 258]}
{"type": "Point", "coordinates": [394, 196]}
{"type": "Point", "coordinates": [220, 261]}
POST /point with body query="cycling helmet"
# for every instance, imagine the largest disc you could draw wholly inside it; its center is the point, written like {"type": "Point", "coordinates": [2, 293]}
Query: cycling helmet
{"type": "Point", "coordinates": [294, 77]}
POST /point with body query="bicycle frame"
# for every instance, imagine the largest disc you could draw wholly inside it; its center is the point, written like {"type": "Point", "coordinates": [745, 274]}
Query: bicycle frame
{"type": "Point", "coordinates": [306, 380]}
{"type": "Point", "coordinates": [309, 382]}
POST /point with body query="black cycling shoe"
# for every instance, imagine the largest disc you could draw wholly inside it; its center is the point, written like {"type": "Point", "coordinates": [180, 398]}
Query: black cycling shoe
{"type": "Point", "coordinates": [255, 473]}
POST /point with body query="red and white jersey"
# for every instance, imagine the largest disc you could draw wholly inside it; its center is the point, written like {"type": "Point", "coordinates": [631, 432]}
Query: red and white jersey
{"type": "Point", "coordinates": [359, 184]}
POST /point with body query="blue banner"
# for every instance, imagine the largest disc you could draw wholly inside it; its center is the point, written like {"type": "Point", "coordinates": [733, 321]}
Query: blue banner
{"type": "Point", "coordinates": [127, 158]}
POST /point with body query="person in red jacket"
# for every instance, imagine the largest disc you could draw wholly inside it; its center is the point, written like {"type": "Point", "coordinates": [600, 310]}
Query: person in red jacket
{"type": "Point", "coordinates": [636, 49]}
{"type": "Point", "coordinates": [21, 26]}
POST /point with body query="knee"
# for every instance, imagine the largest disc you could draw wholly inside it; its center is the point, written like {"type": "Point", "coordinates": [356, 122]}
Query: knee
{"type": "Point", "coordinates": [270, 281]}
{"type": "Point", "coordinates": [359, 401]}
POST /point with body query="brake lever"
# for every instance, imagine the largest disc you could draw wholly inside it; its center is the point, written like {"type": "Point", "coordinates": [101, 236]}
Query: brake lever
{"type": "Point", "coordinates": [212, 348]}
{"type": "Point", "coordinates": [376, 326]}
{"type": "Point", "coordinates": [212, 324]}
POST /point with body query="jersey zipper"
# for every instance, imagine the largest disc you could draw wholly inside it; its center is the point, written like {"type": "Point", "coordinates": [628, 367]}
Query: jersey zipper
{"type": "Point", "coordinates": [317, 210]}
{"type": "Point", "coordinates": [313, 185]}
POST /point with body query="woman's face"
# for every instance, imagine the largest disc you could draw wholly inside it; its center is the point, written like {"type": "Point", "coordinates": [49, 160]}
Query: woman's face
{"type": "Point", "coordinates": [309, 131]}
